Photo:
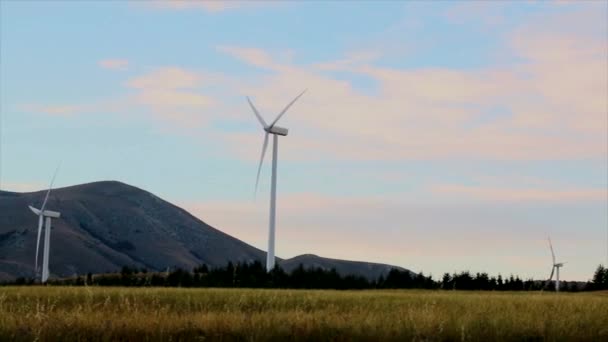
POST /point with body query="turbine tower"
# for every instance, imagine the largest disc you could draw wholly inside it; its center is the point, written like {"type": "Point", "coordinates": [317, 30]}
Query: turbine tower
{"type": "Point", "coordinates": [555, 268]}
{"type": "Point", "coordinates": [44, 216]}
{"type": "Point", "coordinates": [275, 131]}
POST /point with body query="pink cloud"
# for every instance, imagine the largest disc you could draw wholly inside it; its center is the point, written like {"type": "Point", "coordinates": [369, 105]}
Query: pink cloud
{"type": "Point", "coordinates": [61, 110]}
{"type": "Point", "coordinates": [55, 110]}
{"type": "Point", "coordinates": [522, 194]}
{"type": "Point", "coordinates": [173, 95]}
{"type": "Point", "coordinates": [556, 99]}
{"type": "Point", "coordinates": [114, 64]}
{"type": "Point", "coordinates": [168, 98]}
{"type": "Point", "coordinates": [425, 121]}
{"type": "Point", "coordinates": [207, 5]}
{"type": "Point", "coordinates": [166, 78]}
{"type": "Point", "coordinates": [70, 110]}
{"type": "Point", "coordinates": [212, 6]}
{"type": "Point", "coordinates": [23, 186]}
{"type": "Point", "coordinates": [405, 229]}
{"type": "Point", "coordinates": [351, 60]}
{"type": "Point", "coordinates": [256, 57]}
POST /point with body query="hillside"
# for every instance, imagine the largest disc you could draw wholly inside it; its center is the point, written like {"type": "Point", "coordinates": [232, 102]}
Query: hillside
{"type": "Point", "coordinates": [106, 225]}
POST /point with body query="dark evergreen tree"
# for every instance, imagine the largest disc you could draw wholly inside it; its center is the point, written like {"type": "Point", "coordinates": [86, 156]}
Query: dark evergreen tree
{"type": "Point", "coordinates": [600, 278]}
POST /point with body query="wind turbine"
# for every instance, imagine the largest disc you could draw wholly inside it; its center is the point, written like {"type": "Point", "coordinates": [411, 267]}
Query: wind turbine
{"type": "Point", "coordinates": [275, 131]}
{"type": "Point", "coordinates": [556, 266]}
{"type": "Point", "coordinates": [44, 216]}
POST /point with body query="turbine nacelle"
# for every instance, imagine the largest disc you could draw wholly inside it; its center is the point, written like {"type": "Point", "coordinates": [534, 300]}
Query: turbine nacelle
{"type": "Point", "coordinates": [46, 213]}
{"type": "Point", "coordinates": [277, 130]}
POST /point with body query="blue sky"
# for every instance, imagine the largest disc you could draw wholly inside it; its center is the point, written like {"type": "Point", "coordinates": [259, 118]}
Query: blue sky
{"type": "Point", "coordinates": [437, 136]}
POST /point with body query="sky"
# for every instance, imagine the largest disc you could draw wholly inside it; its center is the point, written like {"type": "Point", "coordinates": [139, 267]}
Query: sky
{"type": "Point", "coordinates": [438, 136]}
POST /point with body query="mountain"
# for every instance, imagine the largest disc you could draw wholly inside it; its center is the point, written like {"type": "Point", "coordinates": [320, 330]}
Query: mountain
{"type": "Point", "coordinates": [107, 225]}
{"type": "Point", "coordinates": [367, 269]}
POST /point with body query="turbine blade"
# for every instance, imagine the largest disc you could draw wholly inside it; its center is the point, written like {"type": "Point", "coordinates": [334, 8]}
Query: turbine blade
{"type": "Point", "coordinates": [46, 198]}
{"type": "Point", "coordinates": [257, 114]}
{"type": "Point", "coordinates": [551, 247]}
{"type": "Point", "coordinates": [286, 108]}
{"type": "Point", "coordinates": [40, 221]}
{"type": "Point", "coordinates": [257, 180]}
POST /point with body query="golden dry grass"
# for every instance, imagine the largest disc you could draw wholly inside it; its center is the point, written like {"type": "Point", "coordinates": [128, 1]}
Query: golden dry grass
{"type": "Point", "coordinates": [154, 314]}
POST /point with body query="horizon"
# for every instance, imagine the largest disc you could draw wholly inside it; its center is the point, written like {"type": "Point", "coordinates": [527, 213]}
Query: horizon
{"type": "Point", "coordinates": [439, 137]}
{"type": "Point", "coordinates": [436, 277]}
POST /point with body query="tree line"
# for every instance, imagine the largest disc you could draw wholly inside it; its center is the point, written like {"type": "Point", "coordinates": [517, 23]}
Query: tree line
{"type": "Point", "coordinates": [254, 275]}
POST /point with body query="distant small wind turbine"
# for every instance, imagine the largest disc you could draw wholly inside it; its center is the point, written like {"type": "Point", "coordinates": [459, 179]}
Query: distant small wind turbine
{"type": "Point", "coordinates": [556, 266]}
{"type": "Point", "coordinates": [42, 215]}
{"type": "Point", "coordinates": [275, 131]}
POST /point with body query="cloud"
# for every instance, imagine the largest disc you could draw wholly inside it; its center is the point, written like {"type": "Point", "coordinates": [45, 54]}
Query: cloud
{"type": "Point", "coordinates": [176, 97]}
{"type": "Point", "coordinates": [166, 99]}
{"type": "Point", "coordinates": [350, 61]}
{"type": "Point", "coordinates": [73, 110]}
{"type": "Point", "coordinates": [173, 95]}
{"type": "Point", "coordinates": [565, 64]}
{"type": "Point", "coordinates": [114, 64]}
{"type": "Point", "coordinates": [252, 56]}
{"type": "Point", "coordinates": [518, 195]}
{"type": "Point", "coordinates": [410, 231]}
{"type": "Point", "coordinates": [211, 6]}
{"type": "Point", "coordinates": [419, 115]}
{"type": "Point", "coordinates": [23, 186]}
{"type": "Point", "coordinates": [54, 110]}
{"type": "Point", "coordinates": [555, 99]}
{"type": "Point", "coordinates": [206, 5]}
{"type": "Point", "coordinates": [66, 110]}
{"type": "Point", "coordinates": [166, 78]}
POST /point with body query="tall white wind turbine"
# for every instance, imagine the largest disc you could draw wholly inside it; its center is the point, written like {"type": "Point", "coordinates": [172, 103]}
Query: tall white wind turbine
{"type": "Point", "coordinates": [554, 268]}
{"type": "Point", "coordinates": [275, 131]}
{"type": "Point", "coordinates": [44, 216]}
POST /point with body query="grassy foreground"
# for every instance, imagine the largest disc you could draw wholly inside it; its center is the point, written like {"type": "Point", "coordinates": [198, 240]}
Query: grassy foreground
{"type": "Point", "coordinates": [111, 314]}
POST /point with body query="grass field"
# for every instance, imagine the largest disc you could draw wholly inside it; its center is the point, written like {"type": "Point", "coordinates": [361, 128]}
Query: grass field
{"type": "Point", "coordinates": [110, 314]}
